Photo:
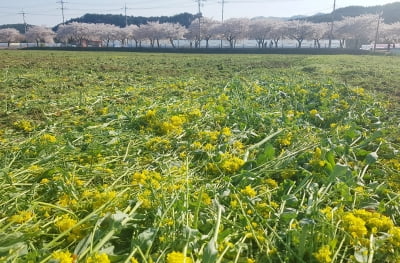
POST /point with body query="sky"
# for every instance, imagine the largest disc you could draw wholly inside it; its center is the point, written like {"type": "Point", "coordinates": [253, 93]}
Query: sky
{"type": "Point", "coordinates": [49, 13]}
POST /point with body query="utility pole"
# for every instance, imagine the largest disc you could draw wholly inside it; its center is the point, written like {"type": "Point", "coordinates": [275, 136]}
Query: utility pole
{"type": "Point", "coordinates": [62, 2]}
{"type": "Point", "coordinates": [377, 29]}
{"type": "Point", "coordinates": [200, 15]}
{"type": "Point", "coordinates": [332, 22]}
{"type": "Point", "coordinates": [23, 18]}
{"type": "Point", "coordinates": [126, 17]}
{"type": "Point", "coordinates": [222, 18]}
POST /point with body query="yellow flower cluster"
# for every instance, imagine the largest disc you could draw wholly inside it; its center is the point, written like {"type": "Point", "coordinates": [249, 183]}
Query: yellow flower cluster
{"type": "Point", "coordinates": [101, 198]}
{"type": "Point", "coordinates": [209, 136]}
{"type": "Point", "coordinates": [62, 257]}
{"type": "Point", "coordinates": [249, 191]}
{"type": "Point", "coordinates": [23, 125]}
{"type": "Point", "coordinates": [195, 113]}
{"type": "Point", "coordinates": [313, 112]}
{"type": "Point", "coordinates": [146, 199]}
{"type": "Point", "coordinates": [354, 225]}
{"type": "Point", "coordinates": [66, 201]}
{"type": "Point", "coordinates": [98, 258]}
{"type": "Point", "coordinates": [146, 177]}
{"type": "Point", "coordinates": [361, 222]}
{"type": "Point", "coordinates": [174, 125]}
{"type": "Point", "coordinates": [231, 164]}
{"type": "Point", "coordinates": [103, 111]}
{"type": "Point", "coordinates": [65, 222]}
{"type": "Point", "coordinates": [395, 236]}
{"type": "Point", "coordinates": [359, 91]}
{"type": "Point", "coordinates": [22, 217]}
{"type": "Point", "coordinates": [286, 140]}
{"type": "Point", "coordinates": [178, 257]}
{"type": "Point", "coordinates": [150, 114]}
{"type": "Point", "coordinates": [291, 114]}
{"type": "Point", "coordinates": [208, 147]}
{"type": "Point", "coordinates": [158, 144]}
{"type": "Point", "coordinates": [323, 255]}
{"type": "Point", "coordinates": [317, 161]}
{"type": "Point", "coordinates": [271, 183]}
{"type": "Point", "coordinates": [374, 221]}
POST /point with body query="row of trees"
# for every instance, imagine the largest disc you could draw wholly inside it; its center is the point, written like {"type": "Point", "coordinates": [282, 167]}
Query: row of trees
{"type": "Point", "coordinates": [266, 32]}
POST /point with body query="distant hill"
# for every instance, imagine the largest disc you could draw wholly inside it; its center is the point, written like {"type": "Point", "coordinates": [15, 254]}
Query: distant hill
{"type": "Point", "coordinates": [185, 19]}
{"type": "Point", "coordinates": [19, 27]}
{"type": "Point", "coordinates": [390, 12]}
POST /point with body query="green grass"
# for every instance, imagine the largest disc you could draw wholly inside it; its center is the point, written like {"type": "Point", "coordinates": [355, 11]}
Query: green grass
{"type": "Point", "coordinates": [209, 158]}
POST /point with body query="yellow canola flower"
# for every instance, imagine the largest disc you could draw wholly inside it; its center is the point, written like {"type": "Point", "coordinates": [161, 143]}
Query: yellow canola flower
{"type": "Point", "coordinates": [231, 164]}
{"type": "Point", "coordinates": [62, 257]}
{"type": "Point", "coordinates": [394, 238]}
{"type": "Point", "coordinates": [323, 255]}
{"type": "Point", "coordinates": [226, 131]}
{"type": "Point", "coordinates": [150, 114]}
{"type": "Point", "coordinates": [22, 217]}
{"type": "Point", "coordinates": [354, 225]}
{"type": "Point", "coordinates": [178, 257]}
{"type": "Point", "coordinates": [313, 112]}
{"type": "Point", "coordinates": [98, 258]}
{"type": "Point", "coordinates": [134, 260]}
{"type": "Point", "coordinates": [23, 125]}
{"type": "Point", "coordinates": [65, 222]}
{"type": "Point", "coordinates": [249, 191]}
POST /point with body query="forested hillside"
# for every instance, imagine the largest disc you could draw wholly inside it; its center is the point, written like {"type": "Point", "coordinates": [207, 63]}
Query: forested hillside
{"type": "Point", "coordinates": [185, 19]}
{"type": "Point", "coordinates": [390, 13]}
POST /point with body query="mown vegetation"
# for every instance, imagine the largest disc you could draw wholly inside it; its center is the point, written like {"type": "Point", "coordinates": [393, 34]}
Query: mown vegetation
{"type": "Point", "coordinates": [135, 157]}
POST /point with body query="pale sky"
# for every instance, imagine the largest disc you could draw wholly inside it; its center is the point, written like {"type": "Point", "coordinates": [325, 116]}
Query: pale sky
{"type": "Point", "coordinates": [48, 12]}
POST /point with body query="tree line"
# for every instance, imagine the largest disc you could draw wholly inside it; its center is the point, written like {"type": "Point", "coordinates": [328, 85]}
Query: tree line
{"type": "Point", "coordinates": [268, 33]}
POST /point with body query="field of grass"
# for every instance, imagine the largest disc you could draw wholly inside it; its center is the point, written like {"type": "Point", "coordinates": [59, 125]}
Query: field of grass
{"type": "Point", "coordinates": [135, 157]}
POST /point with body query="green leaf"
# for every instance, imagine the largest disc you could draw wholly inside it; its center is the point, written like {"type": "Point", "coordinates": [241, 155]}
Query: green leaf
{"type": "Point", "coordinates": [145, 239]}
{"type": "Point", "coordinates": [371, 158]}
{"type": "Point", "coordinates": [361, 255]}
{"type": "Point", "coordinates": [340, 173]}
{"type": "Point", "coordinates": [13, 242]}
{"type": "Point", "coordinates": [210, 252]}
{"type": "Point", "coordinates": [267, 155]}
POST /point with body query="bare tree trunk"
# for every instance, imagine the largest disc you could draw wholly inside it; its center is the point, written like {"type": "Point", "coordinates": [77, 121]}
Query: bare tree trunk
{"type": "Point", "coordinates": [299, 40]}
{"type": "Point", "coordinates": [172, 42]}
{"type": "Point", "coordinates": [276, 41]}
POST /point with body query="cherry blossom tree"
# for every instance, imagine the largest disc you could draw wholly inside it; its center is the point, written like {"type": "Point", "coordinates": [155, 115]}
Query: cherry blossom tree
{"type": "Point", "coordinates": [193, 33]}
{"type": "Point", "coordinates": [106, 33]}
{"type": "Point", "coordinates": [260, 30]}
{"type": "Point", "coordinates": [234, 29]}
{"type": "Point", "coordinates": [278, 30]}
{"type": "Point", "coordinates": [10, 35]}
{"type": "Point", "coordinates": [153, 32]}
{"type": "Point", "coordinates": [40, 34]}
{"type": "Point", "coordinates": [299, 30]}
{"type": "Point", "coordinates": [77, 32]}
{"type": "Point", "coordinates": [136, 33]}
{"type": "Point", "coordinates": [173, 32]}
{"type": "Point", "coordinates": [123, 34]}
{"type": "Point", "coordinates": [358, 29]}
{"type": "Point", "coordinates": [390, 33]}
{"type": "Point", "coordinates": [319, 31]}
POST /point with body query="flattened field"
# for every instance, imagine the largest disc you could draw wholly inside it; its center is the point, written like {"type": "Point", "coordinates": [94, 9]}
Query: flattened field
{"type": "Point", "coordinates": [135, 157]}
